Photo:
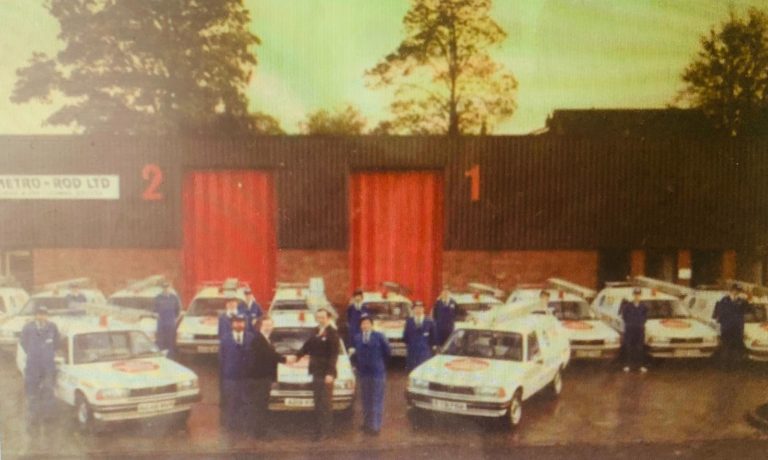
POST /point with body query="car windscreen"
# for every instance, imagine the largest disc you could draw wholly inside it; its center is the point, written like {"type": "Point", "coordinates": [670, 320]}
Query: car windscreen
{"type": "Point", "coordinates": [474, 343]}
{"type": "Point", "coordinates": [52, 303]}
{"type": "Point", "coordinates": [207, 307]}
{"type": "Point", "coordinates": [755, 313]}
{"type": "Point", "coordinates": [570, 310]}
{"type": "Point", "coordinates": [292, 305]}
{"type": "Point", "coordinates": [388, 310]}
{"type": "Point", "coordinates": [94, 347]}
{"type": "Point", "coordinates": [289, 340]}
{"type": "Point", "coordinates": [662, 309]}
{"type": "Point", "coordinates": [464, 309]}
{"type": "Point", "coordinates": [141, 303]}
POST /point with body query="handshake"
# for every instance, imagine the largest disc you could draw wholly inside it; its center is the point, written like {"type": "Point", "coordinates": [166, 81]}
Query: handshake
{"type": "Point", "coordinates": [290, 359]}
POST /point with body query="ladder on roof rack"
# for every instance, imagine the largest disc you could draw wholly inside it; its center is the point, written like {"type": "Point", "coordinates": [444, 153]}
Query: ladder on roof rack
{"type": "Point", "coordinates": [485, 288]}
{"type": "Point", "coordinates": [78, 282]}
{"type": "Point", "coordinates": [664, 286]}
{"type": "Point", "coordinates": [573, 288]}
{"type": "Point", "coordinates": [150, 281]}
{"type": "Point", "coordinates": [750, 288]}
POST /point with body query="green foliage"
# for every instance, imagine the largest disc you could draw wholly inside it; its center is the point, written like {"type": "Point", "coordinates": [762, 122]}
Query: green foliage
{"type": "Point", "coordinates": [446, 81]}
{"type": "Point", "coordinates": [147, 67]}
{"type": "Point", "coordinates": [344, 121]}
{"type": "Point", "coordinates": [728, 78]}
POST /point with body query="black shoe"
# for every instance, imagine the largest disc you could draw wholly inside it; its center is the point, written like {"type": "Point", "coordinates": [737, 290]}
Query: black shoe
{"type": "Point", "coordinates": [371, 432]}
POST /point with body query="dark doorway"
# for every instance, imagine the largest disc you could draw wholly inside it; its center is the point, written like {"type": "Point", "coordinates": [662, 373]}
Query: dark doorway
{"type": "Point", "coordinates": [661, 264]}
{"type": "Point", "coordinates": [18, 264]}
{"type": "Point", "coordinates": [613, 265]}
{"type": "Point", "coordinates": [706, 267]}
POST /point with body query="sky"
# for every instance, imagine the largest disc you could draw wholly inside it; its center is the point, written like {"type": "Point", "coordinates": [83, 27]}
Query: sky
{"type": "Point", "coordinates": [563, 53]}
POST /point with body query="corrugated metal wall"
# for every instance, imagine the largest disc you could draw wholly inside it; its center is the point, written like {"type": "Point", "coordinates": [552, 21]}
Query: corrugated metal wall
{"type": "Point", "coordinates": [534, 193]}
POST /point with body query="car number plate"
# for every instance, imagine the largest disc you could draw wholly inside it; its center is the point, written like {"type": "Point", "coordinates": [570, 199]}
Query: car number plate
{"type": "Point", "coordinates": [207, 348]}
{"type": "Point", "coordinates": [298, 402]}
{"type": "Point", "coordinates": [156, 406]}
{"type": "Point", "coordinates": [448, 405]}
{"type": "Point", "coordinates": [686, 353]}
{"type": "Point", "coordinates": [588, 353]}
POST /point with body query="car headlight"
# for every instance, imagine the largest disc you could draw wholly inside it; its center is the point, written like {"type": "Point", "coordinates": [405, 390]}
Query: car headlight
{"type": "Point", "coordinates": [112, 393]}
{"type": "Point", "coordinates": [612, 340]}
{"type": "Point", "coordinates": [418, 383]}
{"type": "Point", "coordinates": [346, 384]}
{"type": "Point", "coordinates": [185, 336]}
{"type": "Point", "coordinates": [710, 340]}
{"type": "Point", "coordinates": [490, 391]}
{"type": "Point", "coordinates": [659, 340]}
{"type": "Point", "coordinates": [187, 385]}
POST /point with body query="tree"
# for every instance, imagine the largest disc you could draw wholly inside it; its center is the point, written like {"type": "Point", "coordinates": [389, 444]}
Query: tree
{"type": "Point", "coordinates": [146, 66]}
{"type": "Point", "coordinates": [344, 121]}
{"type": "Point", "coordinates": [446, 81]}
{"type": "Point", "coordinates": [728, 78]}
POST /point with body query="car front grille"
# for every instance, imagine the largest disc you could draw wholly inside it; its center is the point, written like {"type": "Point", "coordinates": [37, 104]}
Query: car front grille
{"type": "Point", "coordinates": [294, 386]}
{"type": "Point", "coordinates": [460, 390]}
{"type": "Point", "coordinates": [205, 337]}
{"type": "Point", "coordinates": [691, 340]}
{"type": "Point", "coordinates": [150, 391]}
{"type": "Point", "coordinates": [588, 342]}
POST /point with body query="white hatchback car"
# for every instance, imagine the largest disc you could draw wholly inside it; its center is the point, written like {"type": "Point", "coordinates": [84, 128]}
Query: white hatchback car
{"type": "Point", "coordinates": [113, 372]}
{"type": "Point", "coordinates": [670, 331]}
{"type": "Point", "coordinates": [54, 297]}
{"type": "Point", "coordinates": [140, 295]}
{"type": "Point", "coordinates": [390, 309]}
{"type": "Point", "coordinates": [477, 304]}
{"type": "Point", "coordinates": [198, 330]}
{"type": "Point", "coordinates": [293, 298]}
{"type": "Point", "coordinates": [293, 389]}
{"type": "Point", "coordinates": [488, 371]}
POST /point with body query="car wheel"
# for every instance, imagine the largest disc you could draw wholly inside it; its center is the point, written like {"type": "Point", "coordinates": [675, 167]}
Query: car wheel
{"type": "Point", "coordinates": [556, 387]}
{"type": "Point", "coordinates": [83, 414]}
{"type": "Point", "coordinates": [515, 412]}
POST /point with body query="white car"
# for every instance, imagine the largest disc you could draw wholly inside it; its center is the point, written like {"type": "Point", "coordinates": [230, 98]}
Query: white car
{"type": "Point", "coordinates": [701, 303]}
{"type": "Point", "coordinates": [53, 296]}
{"type": "Point", "coordinates": [389, 310]}
{"type": "Point", "coordinates": [293, 389]}
{"type": "Point", "coordinates": [140, 295]}
{"type": "Point", "coordinates": [590, 337]}
{"type": "Point", "coordinates": [292, 298]}
{"type": "Point", "coordinates": [198, 330]}
{"type": "Point", "coordinates": [112, 373]}
{"type": "Point", "coordinates": [477, 305]}
{"type": "Point", "coordinates": [12, 297]}
{"type": "Point", "coordinates": [488, 371]}
{"type": "Point", "coordinates": [670, 331]}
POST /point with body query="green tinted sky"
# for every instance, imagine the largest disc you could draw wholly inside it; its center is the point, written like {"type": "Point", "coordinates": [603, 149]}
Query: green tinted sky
{"type": "Point", "coordinates": [564, 53]}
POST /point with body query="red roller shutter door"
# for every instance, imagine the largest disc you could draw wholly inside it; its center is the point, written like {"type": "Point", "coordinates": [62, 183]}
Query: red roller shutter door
{"type": "Point", "coordinates": [397, 231]}
{"type": "Point", "coordinates": [229, 230]}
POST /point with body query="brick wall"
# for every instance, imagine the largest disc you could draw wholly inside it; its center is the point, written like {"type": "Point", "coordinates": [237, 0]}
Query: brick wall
{"type": "Point", "coordinates": [506, 269]}
{"type": "Point", "coordinates": [110, 269]}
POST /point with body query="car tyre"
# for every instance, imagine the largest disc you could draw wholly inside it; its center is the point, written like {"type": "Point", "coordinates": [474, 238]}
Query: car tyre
{"type": "Point", "coordinates": [514, 414]}
{"type": "Point", "coordinates": [556, 386]}
{"type": "Point", "coordinates": [84, 414]}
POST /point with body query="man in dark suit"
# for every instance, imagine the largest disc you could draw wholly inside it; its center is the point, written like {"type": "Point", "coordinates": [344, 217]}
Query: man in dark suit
{"type": "Point", "coordinates": [237, 376]}
{"type": "Point", "coordinates": [323, 351]}
{"type": "Point", "coordinates": [265, 364]}
{"type": "Point", "coordinates": [729, 312]}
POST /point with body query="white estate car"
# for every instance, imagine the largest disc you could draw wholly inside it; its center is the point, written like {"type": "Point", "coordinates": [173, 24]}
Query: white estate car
{"type": "Point", "coordinates": [112, 372]}
{"type": "Point", "coordinates": [702, 301]}
{"type": "Point", "coordinates": [12, 297]}
{"type": "Point", "coordinates": [670, 331]}
{"type": "Point", "coordinates": [293, 389]}
{"type": "Point", "coordinates": [198, 330]}
{"type": "Point", "coordinates": [53, 296]}
{"type": "Point", "coordinates": [590, 337]}
{"type": "Point", "coordinates": [140, 295]}
{"type": "Point", "coordinates": [389, 308]}
{"type": "Point", "coordinates": [488, 371]}
{"type": "Point", "coordinates": [479, 303]}
{"type": "Point", "coordinates": [292, 298]}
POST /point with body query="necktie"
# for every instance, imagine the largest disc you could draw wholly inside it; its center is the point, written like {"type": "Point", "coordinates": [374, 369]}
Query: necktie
{"type": "Point", "coordinates": [418, 322]}
{"type": "Point", "coordinates": [366, 337]}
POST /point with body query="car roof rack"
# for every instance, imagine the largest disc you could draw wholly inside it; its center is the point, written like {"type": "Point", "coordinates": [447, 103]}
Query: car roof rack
{"type": "Point", "coordinates": [78, 282]}
{"type": "Point", "coordinates": [615, 284]}
{"type": "Point", "coordinates": [485, 288]}
{"type": "Point", "coordinates": [750, 288]}
{"type": "Point", "coordinates": [150, 281]}
{"type": "Point", "coordinates": [572, 288]}
{"type": "Point", "coordinates": [663, 286]}
{"type": "Point", "coordinates": [531, 286]}
{"type": "Point", "coordinates": [395, 287]}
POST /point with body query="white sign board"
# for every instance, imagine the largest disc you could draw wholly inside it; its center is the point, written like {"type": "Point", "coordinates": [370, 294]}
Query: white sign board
{"type": "Point", "coordinates": [684, 274]}
{"type": "Point", "coordinates": [59, 187]}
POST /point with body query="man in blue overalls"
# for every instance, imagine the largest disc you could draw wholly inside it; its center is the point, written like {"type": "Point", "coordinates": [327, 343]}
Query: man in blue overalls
{"type": "Point", "coordinates": [444, 313]}
{"type": "Point", "coordinates": [729, 312]}
{"type": "Point", "coordinates": [224, 329]}
{"type": "Point", "coordinates": [39, 339]}
{"type": "Point", "coordinates": [236, 375]}
{"type": "Point", "coordinates": [420, 336]}
{"type": "Point", "coordinates": [355, 310]}
{"type": "Point", "coordinates": [370, 358]}
{"type": "Point", "coordinates": [168, 308]}
{"type": "Point", "coordinates": [251, 309]}
{"type": "Point", "coordinates": [634, 314]}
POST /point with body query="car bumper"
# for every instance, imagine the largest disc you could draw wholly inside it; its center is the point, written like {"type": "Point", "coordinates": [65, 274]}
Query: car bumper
{"type": "Point", "coordinates": [698, 351]}
{"type": "Point", "coordinates": [198, 346]}
{"type": "Point", "coordinates": [398, 349]}
{"type": "Point", "coordinates": [453, 405]}
{"type": "Point", "coordinates": [585, 352]}
{"type": "Point", "coordinates": [757, 354]}
{"type": "Point", "coordinates": [143, 410]}
{"type": "Point", "coordinates": [303, 401]}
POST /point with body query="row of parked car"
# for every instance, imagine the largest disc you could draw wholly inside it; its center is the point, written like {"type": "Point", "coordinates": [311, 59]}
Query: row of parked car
{"type": "Point", "coordinates": [501, 353]}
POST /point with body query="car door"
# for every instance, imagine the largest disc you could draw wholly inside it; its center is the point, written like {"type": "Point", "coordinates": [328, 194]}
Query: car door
{"type": "Point", "coordinates": [537, 375]}
{"type": "Point", "coordinates": [65, 381]}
